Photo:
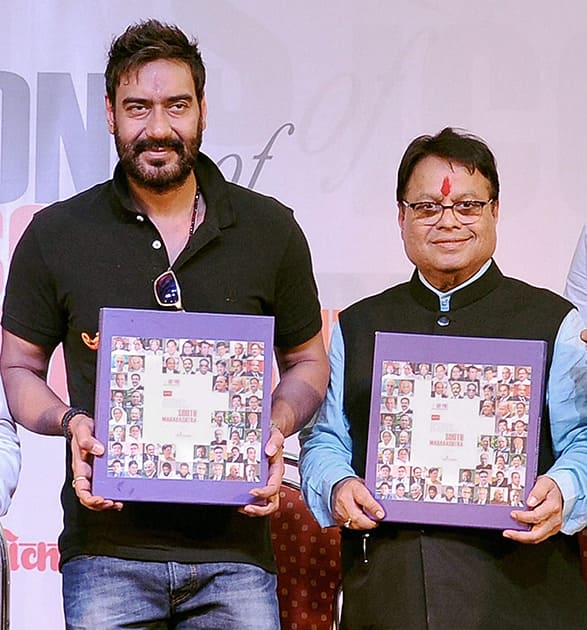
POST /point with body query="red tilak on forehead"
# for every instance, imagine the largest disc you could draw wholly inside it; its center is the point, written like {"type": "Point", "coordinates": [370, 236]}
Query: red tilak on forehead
{"type": "Point", "coordinates": [445, 188]}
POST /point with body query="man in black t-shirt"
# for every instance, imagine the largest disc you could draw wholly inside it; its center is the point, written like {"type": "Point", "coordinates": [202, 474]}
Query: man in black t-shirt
{"type": "Point", "coordinates": [172, 206]}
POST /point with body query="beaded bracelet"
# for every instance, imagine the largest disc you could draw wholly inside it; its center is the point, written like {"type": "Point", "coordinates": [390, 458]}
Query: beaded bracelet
{"type": "Point", "coordinates": [68, 416]}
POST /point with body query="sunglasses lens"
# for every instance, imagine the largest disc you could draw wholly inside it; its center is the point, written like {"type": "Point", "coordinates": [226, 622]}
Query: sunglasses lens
{"type": "Point", "coordinates": [167, 289]}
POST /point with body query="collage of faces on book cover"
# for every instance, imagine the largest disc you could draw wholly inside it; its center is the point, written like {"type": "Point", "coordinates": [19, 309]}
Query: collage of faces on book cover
{"type": "Point", "coordinates": [453, 433]}
{"type": "Point", "coordinates": [223, 377]}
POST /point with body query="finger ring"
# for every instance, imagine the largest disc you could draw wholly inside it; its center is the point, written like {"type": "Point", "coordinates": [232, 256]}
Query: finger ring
{"type": "Point", "coordinates": [79, 478]}
{"type": "Point", "coordinates": [348, 522]}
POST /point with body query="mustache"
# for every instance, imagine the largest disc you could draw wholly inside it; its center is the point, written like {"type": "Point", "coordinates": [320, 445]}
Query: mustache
{"type": "Point", "coordinates": [147, 144]}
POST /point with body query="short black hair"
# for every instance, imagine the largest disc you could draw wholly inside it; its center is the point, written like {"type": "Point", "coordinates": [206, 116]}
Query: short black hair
{"type": "Point", "coordinates": [454, 145]}
{"type": "Point", "coordinates": [150, 40]}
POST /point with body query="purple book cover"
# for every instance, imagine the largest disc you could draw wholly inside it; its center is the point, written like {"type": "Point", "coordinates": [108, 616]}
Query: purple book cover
{"type": "Point", "coordinates": [183, 403]}
{"type": "Point", "coordinates": [454, 428]}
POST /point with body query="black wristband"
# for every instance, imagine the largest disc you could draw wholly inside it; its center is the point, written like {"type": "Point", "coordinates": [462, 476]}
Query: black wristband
{"type": "Point", "coordinates": [67, 417]}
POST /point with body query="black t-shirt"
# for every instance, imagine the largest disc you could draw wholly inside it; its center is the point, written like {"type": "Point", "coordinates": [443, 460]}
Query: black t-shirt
{"type": "Point", "coordinates": [94, 250]}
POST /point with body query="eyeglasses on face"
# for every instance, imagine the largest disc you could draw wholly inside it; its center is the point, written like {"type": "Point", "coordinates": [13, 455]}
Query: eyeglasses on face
{"type": "Point", "coordinates": [466, 211]}
{"type": "Point", "coordinates": [167, 290]}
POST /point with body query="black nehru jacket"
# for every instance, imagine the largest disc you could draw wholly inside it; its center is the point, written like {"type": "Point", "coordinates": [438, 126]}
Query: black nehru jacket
{"type": "Point", "coordinates": [493, 306]}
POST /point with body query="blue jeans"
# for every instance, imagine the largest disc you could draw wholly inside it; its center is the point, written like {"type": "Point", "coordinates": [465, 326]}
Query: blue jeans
{"type": "Point", "coordinates": [103, 593]}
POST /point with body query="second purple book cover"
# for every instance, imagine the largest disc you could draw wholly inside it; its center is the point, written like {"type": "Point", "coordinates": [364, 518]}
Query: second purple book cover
{"type": "Point", "coordinates": [454, 428]}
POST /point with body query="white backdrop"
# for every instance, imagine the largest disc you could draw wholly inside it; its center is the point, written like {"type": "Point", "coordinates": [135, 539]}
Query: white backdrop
{"type": "Point", "coordinates": [314, 103]}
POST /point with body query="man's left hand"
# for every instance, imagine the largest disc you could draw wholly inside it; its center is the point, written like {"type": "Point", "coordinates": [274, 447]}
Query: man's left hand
{"type": "Point", "coordinates": [545, 505]}
{"type": "Point", "coordinates": [269, 493]}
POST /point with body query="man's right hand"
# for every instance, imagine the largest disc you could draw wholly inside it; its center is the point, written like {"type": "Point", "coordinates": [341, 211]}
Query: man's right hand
{"type": "Point", "coordinates": [353, 506]}
{"type": "Point", "coordinates": [84, 447]}
{"type": "Point", "coordinates": [35, 405]}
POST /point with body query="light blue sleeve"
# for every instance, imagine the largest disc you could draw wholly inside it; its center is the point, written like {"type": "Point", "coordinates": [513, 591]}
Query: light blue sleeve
{"type": "Point", "coordinates": [9, 455]}
{"type": "Point", "coordinates": [566, 396]}
{"type": "Point", "coordinates": [576, 287]}
{"type": "Point", "coordinates": [326, 451]}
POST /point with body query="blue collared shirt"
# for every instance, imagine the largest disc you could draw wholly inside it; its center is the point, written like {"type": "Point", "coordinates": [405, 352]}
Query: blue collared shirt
{"type": "Point", "coordinates": [9, 455]}
{"type": "Point", "coordinates": [327, 446]}
{"type": "Point", "coordinates": [576, 287]}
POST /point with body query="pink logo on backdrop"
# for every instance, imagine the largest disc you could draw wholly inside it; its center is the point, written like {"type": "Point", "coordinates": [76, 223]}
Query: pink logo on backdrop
{"type": "Point", "coordinates": [31, 556]}
{"type": "Point", "coordinates": [19, 219]}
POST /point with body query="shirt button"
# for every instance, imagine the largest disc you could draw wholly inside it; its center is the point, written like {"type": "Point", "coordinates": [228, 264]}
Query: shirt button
{"type": "Point", "coordinates": [443, 320]}
{"type": "Point", "coordinates": [140, 218]}
{"type": "Point", "coordinates": [156, 244]}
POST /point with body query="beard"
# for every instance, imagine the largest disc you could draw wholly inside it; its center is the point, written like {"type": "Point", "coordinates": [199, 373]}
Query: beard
{"type": "Point", "coordinates": [159, 175]}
